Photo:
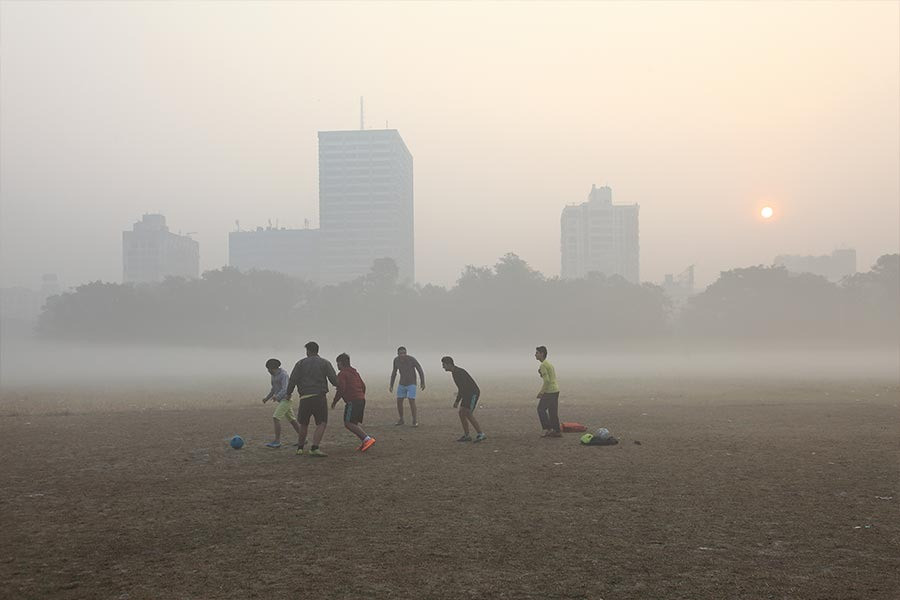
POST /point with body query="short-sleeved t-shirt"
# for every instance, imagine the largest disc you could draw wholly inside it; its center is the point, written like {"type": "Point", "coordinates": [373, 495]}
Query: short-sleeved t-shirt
{"type": "Point", "coordinates": [548, 374]}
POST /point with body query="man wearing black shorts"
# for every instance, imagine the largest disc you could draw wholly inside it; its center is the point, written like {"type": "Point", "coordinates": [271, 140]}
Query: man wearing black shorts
{"type": "Point", "coordinates": [467, 394]}
{"type": "Point", "coordinates": [311, 376]}
{"type": "Point", "coordinates": [352, 389]}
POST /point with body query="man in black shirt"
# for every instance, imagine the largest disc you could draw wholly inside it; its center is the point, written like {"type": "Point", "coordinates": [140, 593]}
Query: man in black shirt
{"type": "Point", "coordinates": [466, 398]}
{"type": "Point", "coordinates": [311, 376]}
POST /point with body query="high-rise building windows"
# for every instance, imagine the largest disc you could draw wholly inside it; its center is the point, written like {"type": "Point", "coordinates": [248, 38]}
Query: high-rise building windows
{"type": "Point", "coordinates": [599, 236]}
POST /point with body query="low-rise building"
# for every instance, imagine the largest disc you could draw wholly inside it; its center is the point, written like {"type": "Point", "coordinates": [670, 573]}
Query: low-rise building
{"type": "Point", "coordinates": [150, 252]}
{"type": "Point", "coordinates": [834, 267]}
{"type": "Point", "coordinates": [294, 252]}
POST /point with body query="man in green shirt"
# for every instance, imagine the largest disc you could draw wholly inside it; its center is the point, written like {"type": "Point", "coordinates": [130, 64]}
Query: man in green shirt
{"type": "Point", "coordinates": [548, 407]}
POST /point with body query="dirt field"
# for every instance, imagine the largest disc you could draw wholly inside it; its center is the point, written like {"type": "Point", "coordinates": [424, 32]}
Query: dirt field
{"type": "Point", "coordinates": [739, 489]}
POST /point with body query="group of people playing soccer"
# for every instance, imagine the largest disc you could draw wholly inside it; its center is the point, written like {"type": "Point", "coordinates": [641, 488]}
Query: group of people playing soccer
{"type": "Point", "coordinates": [311, 376]}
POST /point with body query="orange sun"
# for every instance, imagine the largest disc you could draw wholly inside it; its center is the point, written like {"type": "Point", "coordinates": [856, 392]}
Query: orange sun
{"type": "Point", "coordinates": [766, 212]}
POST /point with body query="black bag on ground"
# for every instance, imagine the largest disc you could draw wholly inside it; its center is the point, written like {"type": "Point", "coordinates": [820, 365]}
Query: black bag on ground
{"type": "Point", "coordinates": [610, 441]}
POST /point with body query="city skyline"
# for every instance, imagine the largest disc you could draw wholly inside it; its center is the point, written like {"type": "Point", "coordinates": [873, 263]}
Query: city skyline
{"type": "Point", "coordinates": [183, 121]}
{"type": "Point", "coordinates": [366, 197]}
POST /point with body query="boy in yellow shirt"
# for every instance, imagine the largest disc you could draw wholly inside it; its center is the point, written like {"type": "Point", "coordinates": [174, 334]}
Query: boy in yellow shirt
{"type": "Point", "coordinates": [548, 407]}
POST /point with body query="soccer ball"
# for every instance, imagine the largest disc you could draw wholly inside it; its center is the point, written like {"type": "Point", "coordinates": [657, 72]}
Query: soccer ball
{"type": "Point", "coordinates": [237, 442]}
{"type": "Point", "coordinates": [602, 433]}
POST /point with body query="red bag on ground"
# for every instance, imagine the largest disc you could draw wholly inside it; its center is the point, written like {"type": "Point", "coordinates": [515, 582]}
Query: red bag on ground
{"type": "Point", "coordinates": [572, 427]}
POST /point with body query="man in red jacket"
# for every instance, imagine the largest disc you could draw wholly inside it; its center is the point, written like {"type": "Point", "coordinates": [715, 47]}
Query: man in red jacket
{"type": "Point", "coordinates": [352, 389]}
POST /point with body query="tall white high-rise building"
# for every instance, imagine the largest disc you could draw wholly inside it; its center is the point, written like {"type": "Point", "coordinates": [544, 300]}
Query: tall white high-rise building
{"type": "Point", "coordinates": [150, 252]}
{"type": "Point", "coordinates": [365, 203]}
{"type": "Point", "coordinates": [599, 236]}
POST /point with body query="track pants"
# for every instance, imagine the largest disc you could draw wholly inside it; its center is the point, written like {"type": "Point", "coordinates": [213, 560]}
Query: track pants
{"type": "Point", "coordinates": [548, 411]}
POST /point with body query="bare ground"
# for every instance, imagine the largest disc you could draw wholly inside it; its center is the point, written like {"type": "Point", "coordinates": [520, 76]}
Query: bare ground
{"type": "Point", "coordinates": [739, 489]}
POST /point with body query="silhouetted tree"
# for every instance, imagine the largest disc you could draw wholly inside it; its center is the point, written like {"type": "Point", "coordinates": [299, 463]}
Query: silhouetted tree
{"type": "Point", "coordinates": [872, 301]}
{"type": "Point", "coordinates": [507, 304]}
{"type": "Point", "coordinates": [764, 303]}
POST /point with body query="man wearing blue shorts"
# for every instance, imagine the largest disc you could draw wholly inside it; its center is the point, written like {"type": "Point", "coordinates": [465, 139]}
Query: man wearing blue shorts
{"type": "Point", "coordinates": [408, 366]}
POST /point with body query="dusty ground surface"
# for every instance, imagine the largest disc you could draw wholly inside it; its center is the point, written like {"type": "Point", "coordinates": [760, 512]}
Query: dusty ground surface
{"type": "Point", "coordinates": [740, 489]}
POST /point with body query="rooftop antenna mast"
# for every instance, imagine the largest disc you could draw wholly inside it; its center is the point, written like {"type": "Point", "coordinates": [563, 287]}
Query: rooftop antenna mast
{"type": "Point", "coordinates": [362, 116]}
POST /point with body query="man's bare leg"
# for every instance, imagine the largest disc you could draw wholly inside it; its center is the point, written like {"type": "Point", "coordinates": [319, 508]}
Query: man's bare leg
{"type": "Point", "coordinates": [400, 410]}
{"type": "Point", "coordinates": [356, 430]}
{"type": "Point", "coordinates": [277, 430]}
{"type": "Point", "coordinates": [412, 409]}
{"type": "Point", "coordinates": [464, 419]}
{"type": "Point", "coordinates": [301, 435]}
{"type": "Point", "coordinates": [475, 424]}
{"type": "Point", "coordinates": [318, 433]}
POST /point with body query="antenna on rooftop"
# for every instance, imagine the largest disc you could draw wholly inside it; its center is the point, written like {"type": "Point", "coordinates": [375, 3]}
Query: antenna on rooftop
{"type": "Point", "coordinates": [362, 116]}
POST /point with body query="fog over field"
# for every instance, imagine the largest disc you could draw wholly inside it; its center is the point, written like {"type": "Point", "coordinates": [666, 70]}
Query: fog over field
{"type": "Point", "coordinates": [43, 364]}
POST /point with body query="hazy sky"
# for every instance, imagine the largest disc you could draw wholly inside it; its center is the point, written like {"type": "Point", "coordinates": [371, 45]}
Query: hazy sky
{"type": "Point", "coordinates": [208, 112]}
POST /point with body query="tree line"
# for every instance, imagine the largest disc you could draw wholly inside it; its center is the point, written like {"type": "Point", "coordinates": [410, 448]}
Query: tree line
{"type": "Point", "coordinates": [509, 303]}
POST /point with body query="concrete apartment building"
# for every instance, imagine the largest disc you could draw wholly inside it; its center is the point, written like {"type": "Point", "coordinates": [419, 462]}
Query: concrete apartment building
{"type": "Point", "coordinates": [599, 236]}
{"type": "Point", "coordinates": [150, 252]}
{"type": "Point", "coordinates": [25, 304]}
{"type": "Point", "coordinates": [294, 252]}
{"type": "Point", "coordinates": [834, 267]}
{"type": "Point", "coordinates": [365, 203]}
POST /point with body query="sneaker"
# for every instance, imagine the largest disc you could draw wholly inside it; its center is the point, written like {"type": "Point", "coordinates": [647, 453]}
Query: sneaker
{"type": "Point", "coordinates": [480, 437]}
{"type": "Point", "coordinates": [317, 453]}
{"type": "Point", "coordinates": [273, 445]}
{"type": "Point", "coordinates": [415, 424]}
{"type": "Point", "coordinates": [464, 438]}
{"type": "Point", "coordinates": [554, 434]}
{"type": "Point", "coordinates": [300, 451]}
{"type": "Point", "coordinates": [367, 444]}
{"type": "Point", "coordinates": [400, 422]}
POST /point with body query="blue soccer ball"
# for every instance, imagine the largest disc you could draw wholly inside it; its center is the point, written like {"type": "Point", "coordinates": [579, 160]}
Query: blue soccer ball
{"type": "Point", "coordinates": [237, 442]}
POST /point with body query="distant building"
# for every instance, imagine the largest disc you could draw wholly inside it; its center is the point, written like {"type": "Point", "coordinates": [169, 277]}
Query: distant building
{"type": "Point", "coordinates": [679, 287]}
{"type": "Point", "coordinates": [20, 304]}
{"type": "Point", "coordinates": [834, 267]}
{"type": "Point", "coordinates": [24, 304]}
{"type": "Point", "coordinates": [150, 252]}
{"type": "Point", "coordinates": [365, 203]}
{"type": "Point", "coordinates": [49, 285]}
{"type": "Point", "coordinates": [599, 236]}
{"type": "Point", "coordinates": [294, 252]}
